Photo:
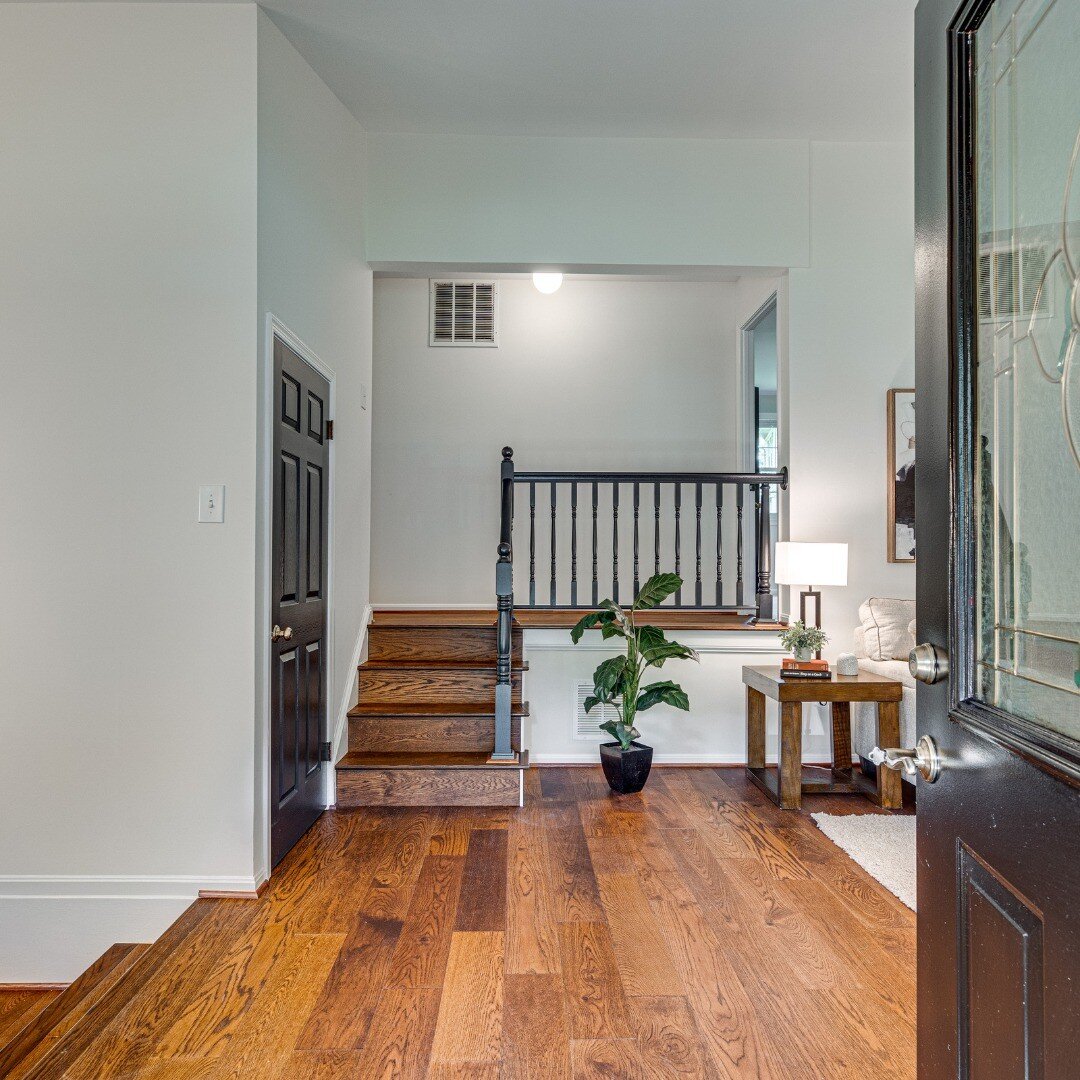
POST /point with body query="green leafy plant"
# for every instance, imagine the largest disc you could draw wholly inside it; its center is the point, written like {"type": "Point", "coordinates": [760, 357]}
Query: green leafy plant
{"type": "Point", "coordinates": [617, 681]}
{"type": "Point", "coordinates": [799, 637]}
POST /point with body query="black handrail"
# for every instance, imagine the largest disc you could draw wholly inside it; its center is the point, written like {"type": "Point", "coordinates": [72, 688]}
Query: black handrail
{"type": "Point", "coordinates": [763, 609]}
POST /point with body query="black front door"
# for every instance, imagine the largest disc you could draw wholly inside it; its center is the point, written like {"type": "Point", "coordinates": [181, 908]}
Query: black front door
{"type": "Point", "coordinates": [998, 518]}
{"type": "Point", "coordinates": [298, 610]}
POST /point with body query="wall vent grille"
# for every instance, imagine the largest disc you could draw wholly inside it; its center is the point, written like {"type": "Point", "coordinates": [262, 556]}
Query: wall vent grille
{"type": "Point", "coordinates": [1009, 280]}
{"type": "Point", "coordinates": [586, 727]}
{"type": "Point", "coordinates": [463, 313]}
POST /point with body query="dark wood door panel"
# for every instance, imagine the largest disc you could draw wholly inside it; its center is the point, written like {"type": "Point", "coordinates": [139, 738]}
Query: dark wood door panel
{"type": "Point", "coordinates": [999, 880]}
{"type": "Point", "coordinates": [299, 558]}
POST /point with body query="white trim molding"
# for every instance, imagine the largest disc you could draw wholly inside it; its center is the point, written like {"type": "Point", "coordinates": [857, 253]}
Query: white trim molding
{"type": "Point", "coordinates": [119, 887]}
{"type": "Point", "coordinates": [348, 696]}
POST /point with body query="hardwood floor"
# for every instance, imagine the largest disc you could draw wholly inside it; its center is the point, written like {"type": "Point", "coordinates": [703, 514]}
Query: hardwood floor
{"type": "Point", "coordinates": [695, 930]}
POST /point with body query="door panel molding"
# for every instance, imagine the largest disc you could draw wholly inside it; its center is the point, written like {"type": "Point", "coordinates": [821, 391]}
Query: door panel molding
{"type": "Point", "coordinates": [273, 327]}
{"type": "Point", "coordinates": [1055, 753]}
{"type": "Point", "coordinates": [1000, 953]}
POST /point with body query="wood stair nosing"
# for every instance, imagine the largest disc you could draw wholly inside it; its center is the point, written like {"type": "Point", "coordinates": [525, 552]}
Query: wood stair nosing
{"type": "Point", "coordinates": [374, 760]}
{"type": "Point", "coordinates": [30, 1048]}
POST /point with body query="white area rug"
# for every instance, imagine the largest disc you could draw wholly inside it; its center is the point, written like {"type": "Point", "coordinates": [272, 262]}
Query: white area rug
{"type": "Point", "coordinates": [883, 845]}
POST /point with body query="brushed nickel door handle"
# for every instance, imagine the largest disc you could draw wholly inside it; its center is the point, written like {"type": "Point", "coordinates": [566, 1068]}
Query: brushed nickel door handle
{"type": "Point", "coordinates": [928, 664]}
{"type": "Point", "coordinates": [924, 759]}
{"type": "Point", "coordinates": [281, 633]}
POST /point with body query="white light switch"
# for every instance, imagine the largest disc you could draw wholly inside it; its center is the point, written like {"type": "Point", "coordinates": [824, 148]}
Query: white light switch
{"type": "Point", "coordinates": [212, 504]}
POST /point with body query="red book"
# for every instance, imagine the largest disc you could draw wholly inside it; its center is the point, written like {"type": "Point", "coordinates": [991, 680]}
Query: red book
{"type": "Point", "coordinates": [791, 664]}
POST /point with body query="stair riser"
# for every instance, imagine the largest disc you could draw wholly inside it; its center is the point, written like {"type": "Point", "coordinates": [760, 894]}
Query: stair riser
{"type": "Point", "coordinates": [464, 645]}
{"type": "Point", "coordinates": [429, 787]}
{"type": "Point", "coordinates": [427, 734]}
{"type": "Point", "coordinates": [420, 685]}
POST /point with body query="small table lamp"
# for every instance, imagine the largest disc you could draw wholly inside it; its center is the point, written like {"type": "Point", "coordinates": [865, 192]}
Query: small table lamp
{"type": "Point", "coordinates": [810, 565]}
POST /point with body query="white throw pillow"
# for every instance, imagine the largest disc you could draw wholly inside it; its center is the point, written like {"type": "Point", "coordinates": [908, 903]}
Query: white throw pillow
{"type": "Point", "coordinates": [886, 625]}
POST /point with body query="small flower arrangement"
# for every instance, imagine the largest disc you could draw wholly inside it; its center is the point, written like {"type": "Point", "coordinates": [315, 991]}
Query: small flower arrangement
{"type": "Point", "coordinates": [803, 640]}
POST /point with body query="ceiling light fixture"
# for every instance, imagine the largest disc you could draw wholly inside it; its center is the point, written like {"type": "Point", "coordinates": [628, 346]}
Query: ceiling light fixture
{"type": "Point", "coordinates": [547, 283]}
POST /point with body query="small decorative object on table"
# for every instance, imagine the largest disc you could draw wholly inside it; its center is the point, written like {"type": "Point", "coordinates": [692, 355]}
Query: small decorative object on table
{"type": "Point", "coordinates": [617, 681]}
{"type": "Point", "coordinates": [847, 664]}
{"type": "Point", "coordinates": [803, 640]}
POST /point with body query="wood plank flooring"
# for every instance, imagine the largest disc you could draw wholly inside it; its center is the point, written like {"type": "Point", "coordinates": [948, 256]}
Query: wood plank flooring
{"type": "Point", "coordinates": [695, 930]}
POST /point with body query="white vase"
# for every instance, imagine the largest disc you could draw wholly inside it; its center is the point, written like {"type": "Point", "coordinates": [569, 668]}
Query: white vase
{"type": "Point", "coordinates": [804, 654]}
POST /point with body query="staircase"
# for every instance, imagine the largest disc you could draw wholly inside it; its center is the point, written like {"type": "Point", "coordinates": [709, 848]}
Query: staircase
{"type": "Point", "coordinates": [423, 730]}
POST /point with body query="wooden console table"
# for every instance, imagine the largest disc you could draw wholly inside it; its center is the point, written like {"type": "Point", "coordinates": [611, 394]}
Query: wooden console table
{"type": "Point", "coordinates": [786, 783]}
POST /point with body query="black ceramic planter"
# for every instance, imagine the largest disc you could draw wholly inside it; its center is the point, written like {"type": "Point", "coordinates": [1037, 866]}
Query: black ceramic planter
{"type": "Point", "coordinates": [626, 770]}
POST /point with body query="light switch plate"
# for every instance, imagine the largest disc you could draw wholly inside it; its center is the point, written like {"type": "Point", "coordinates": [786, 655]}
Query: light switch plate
{"type": "Point", "coordinates": [212, 504]}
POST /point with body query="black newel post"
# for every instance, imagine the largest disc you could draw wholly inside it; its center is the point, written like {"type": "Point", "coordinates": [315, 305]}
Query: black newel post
{"type": "Point", "coordinates": [504, 592]}
{"type": "Point", "coordinates": [766, 602]}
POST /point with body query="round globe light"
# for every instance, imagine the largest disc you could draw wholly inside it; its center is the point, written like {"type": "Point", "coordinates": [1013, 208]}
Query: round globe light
{"type": "Point", "coordinates": [547, 283]}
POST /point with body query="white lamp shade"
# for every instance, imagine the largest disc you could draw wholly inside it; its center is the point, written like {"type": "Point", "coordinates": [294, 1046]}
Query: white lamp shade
{"type": "Point", "coordinates": [811, 564]}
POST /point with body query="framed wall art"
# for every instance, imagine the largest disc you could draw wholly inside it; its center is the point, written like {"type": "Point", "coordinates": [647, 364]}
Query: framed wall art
{"type": "Point", "coordinates": [901, 477]}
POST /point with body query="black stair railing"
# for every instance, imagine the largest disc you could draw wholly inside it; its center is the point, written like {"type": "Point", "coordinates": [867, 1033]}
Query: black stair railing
{"type": "Point", "coordinates": [594, 498]}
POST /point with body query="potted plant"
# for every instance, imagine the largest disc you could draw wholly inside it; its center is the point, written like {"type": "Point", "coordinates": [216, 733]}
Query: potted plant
{"type": "Point", "coordinates": [803, 640]}
{"type": "Point", "coordinates": [617, 681]}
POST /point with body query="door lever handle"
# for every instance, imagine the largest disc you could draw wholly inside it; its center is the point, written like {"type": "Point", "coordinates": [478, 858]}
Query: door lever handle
{"type": "Point", "coordinates": [923, 759]}
{"type": "Point", "coordinates": [281, 633]}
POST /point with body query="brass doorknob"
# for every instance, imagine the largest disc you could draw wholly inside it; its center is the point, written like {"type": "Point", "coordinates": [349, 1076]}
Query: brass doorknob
{"type": "Point", "coordinates": [281, 633]}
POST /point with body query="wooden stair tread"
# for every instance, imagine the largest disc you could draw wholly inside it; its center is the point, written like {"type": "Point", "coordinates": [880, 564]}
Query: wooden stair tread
{"type": "Point", "coordinates": [434, 665]}
{"type": "Point", "coordinates": [480, 709]}
{"type": "Point", "coordinates": [362, 760]}
{"type": "Point", "coordinates": [33, 1044]}
{"type": "Point", "coordinates": [434, 617]}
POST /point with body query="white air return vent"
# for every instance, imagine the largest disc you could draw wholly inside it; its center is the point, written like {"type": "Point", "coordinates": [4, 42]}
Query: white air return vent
{"type": "Point", "coordinates": [587, 725]}
{"type": "Point", "coordinates": [1008, 283]}
{"type": "Point", "coordinates": [463, 313]}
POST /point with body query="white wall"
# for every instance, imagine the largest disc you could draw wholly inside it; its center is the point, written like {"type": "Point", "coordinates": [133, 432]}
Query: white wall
{"type": "Point", "coordinates": [127, 301]}
{"type": "Point", "coordinates": [604, 374]}
{"type": "Point", "coordinates": [313, 278]}
{"type": "Point", "coordinates": [851, 337]}
{"type": "Point", "coordinates": [461, 199]}
{"type": "Point", "coordinates": [172, 175]}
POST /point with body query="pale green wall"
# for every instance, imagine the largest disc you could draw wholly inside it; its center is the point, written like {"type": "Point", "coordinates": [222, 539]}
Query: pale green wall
{"type": "Point", "coordinates": [693, 202]}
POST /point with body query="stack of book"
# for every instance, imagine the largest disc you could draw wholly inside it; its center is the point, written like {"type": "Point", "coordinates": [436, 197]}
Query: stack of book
{"type": "Point", "coordinates": [804, 669]}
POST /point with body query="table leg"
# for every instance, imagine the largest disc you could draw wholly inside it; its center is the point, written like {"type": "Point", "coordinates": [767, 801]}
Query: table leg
{"type": "Point", "coordinates": [755, 729]}
{"type": "Point", "coordinates": [790, 765]}
{"type": "Point", "coordinates": [841, 736]}
{"type": "Point", "coordinates": [890, 794]}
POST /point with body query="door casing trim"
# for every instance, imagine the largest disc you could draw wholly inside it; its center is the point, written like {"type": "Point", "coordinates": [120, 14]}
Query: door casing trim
{"type": "Point", "coordinates": [275, 328]}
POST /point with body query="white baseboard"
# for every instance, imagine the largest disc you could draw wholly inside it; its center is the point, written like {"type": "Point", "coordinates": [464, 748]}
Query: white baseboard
{"type": "Point", "coordinates": [54, 927]}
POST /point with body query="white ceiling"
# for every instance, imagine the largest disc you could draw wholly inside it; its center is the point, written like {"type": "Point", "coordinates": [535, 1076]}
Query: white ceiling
{"type": "Point", "coordinates": [803, 69]}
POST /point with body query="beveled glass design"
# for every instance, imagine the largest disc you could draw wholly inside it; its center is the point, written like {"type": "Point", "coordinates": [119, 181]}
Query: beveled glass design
{"type": "Point", "coordinates": [1027, 382]}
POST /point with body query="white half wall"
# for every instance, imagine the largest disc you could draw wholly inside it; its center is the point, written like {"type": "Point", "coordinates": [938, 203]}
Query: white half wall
{"type": "Point", "coordinates": [127, 301]}
{"type": "Point", "coordinates": [712, 732]}
{"type": "Point", "coordinates": [603, 374]}
{"type": "Point", "coordinates": [314, 279]}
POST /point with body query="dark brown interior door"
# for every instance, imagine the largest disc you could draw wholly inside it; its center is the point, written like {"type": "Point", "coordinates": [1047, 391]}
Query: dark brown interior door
{"type": "Point", "coordinates": [298, 635]}
{"type": "Point", "coordinates": [998, 513]}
